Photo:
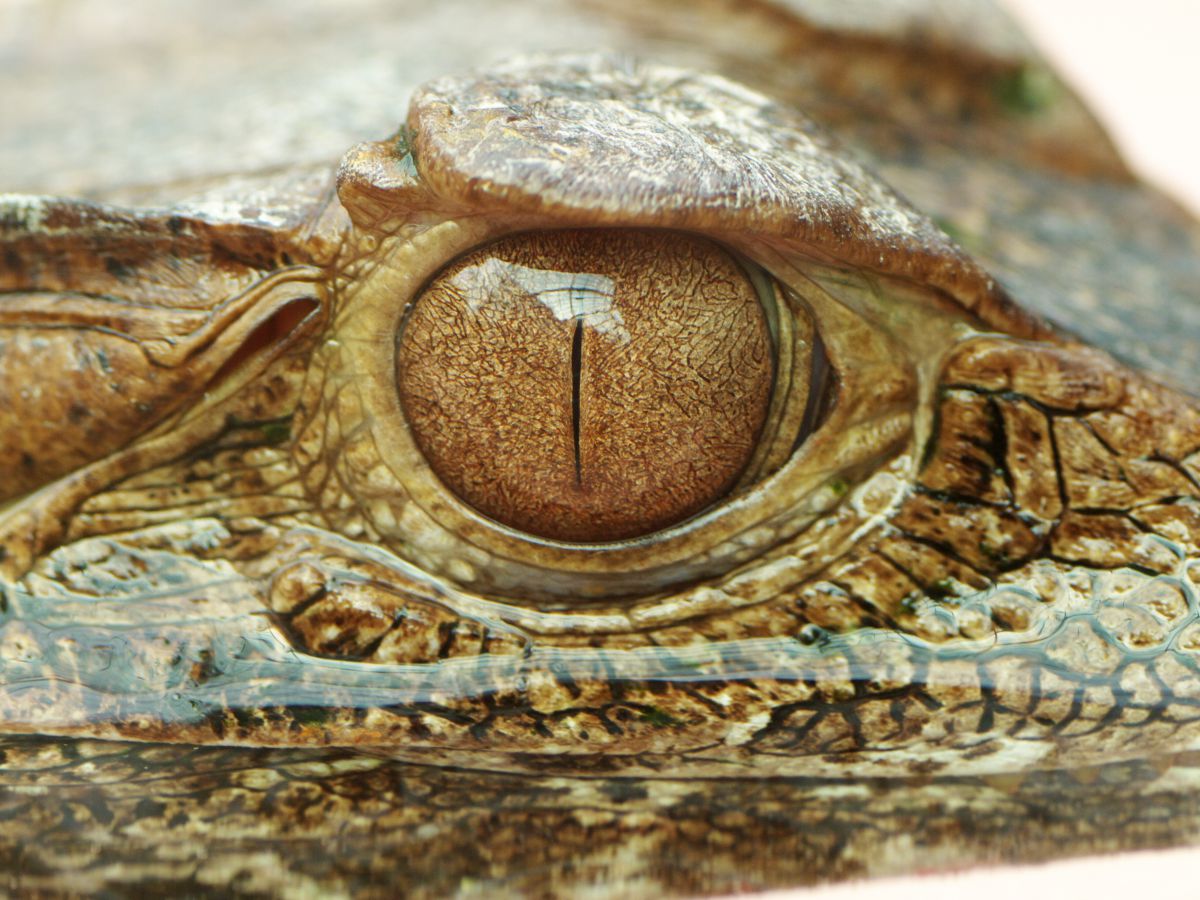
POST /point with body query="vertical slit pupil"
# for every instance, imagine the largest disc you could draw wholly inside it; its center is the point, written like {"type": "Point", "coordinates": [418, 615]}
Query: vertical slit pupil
{"type": "Point", "coordinates": [576, 377]}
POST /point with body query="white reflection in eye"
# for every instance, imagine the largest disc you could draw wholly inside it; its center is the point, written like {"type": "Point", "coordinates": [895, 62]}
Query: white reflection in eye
{"type": "Point", "coordinates": [570, 296]}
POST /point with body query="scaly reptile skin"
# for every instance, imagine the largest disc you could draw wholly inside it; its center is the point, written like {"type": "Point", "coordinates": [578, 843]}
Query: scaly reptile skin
{"type": "Point", "coordinates": [979, 572]}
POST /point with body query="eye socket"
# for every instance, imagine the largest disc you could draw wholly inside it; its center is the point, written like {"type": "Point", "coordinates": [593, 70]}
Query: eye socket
{"type": "Point", "coordinates": [840, 403]}
{"type": "Point", "coordinates": [591, 385]}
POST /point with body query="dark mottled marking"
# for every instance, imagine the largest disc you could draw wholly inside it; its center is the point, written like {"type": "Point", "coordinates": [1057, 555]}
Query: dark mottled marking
{"type": "Point", "coordinates": [620, 791]}
{"type": "Point", "coordinates": [147, 808]}
{"type": "Point", "coordinates": [117, 269]}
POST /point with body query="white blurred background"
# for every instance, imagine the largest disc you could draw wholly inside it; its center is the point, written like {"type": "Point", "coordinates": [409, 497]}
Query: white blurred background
{"type": "Point", "coordinates": [1138, 65]}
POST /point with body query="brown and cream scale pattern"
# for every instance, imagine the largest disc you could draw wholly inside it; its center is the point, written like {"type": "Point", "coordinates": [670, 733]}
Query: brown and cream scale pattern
{"type": "Point", "coordinates": [1003, 580]}
{"type": "Point", "coordinates": [1017, 587]}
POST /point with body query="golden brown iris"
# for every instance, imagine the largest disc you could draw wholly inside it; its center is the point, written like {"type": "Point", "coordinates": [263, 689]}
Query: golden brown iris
{"type": "Point", "coordinates": [588, 385]}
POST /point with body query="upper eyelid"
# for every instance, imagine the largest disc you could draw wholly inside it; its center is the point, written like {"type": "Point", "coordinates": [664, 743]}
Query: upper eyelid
{"type": "Point", "coordinates": [599, 142]}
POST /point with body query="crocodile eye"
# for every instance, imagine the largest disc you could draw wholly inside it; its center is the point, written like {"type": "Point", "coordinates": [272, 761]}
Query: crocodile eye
{"type": "Point", "coordinates": [589, 385]}
{"type": "Point", "coordinates": [585, 413]}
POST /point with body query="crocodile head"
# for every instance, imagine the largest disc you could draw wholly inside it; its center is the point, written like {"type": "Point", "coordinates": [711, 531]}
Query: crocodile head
{"type": "Point", "coordinates": [607, 418]}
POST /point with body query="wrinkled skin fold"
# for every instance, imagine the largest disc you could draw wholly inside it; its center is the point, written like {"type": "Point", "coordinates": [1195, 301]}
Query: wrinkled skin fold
{"type": "Point", "coordinates": [982, 568]}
